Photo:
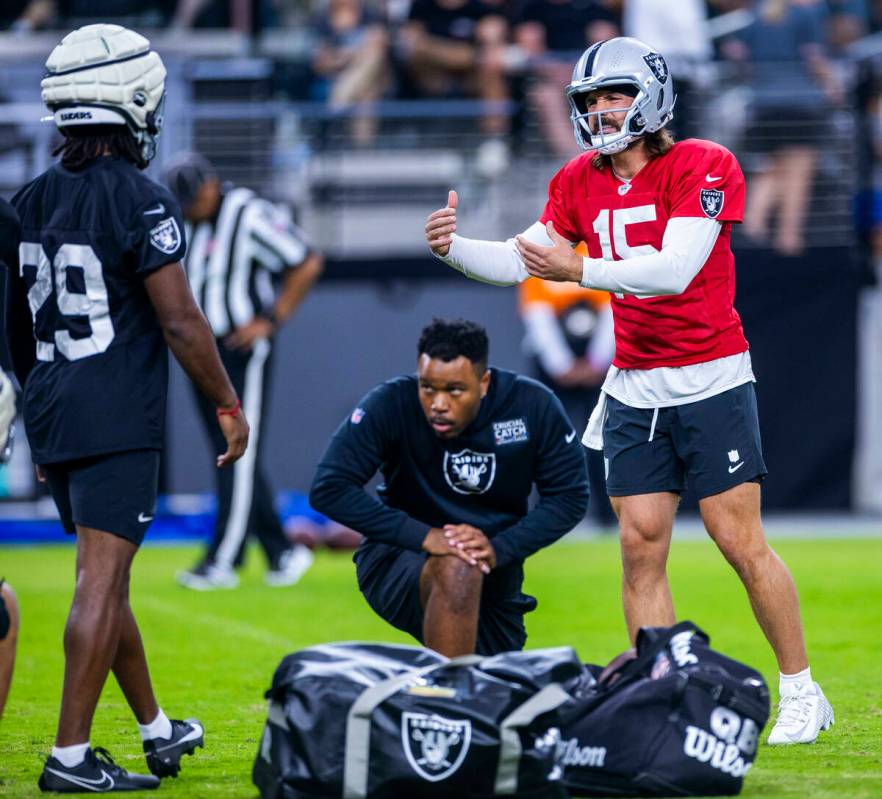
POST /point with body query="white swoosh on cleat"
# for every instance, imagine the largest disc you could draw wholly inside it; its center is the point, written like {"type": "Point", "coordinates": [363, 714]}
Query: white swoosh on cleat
{"type": "Point", "coordinates": [191, 736]}
{"type": "Point", "coordinates": [106, 782]}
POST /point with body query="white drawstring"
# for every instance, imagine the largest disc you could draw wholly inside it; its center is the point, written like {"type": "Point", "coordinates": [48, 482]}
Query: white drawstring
{"type": "Point", "coordinates": [654, 420]}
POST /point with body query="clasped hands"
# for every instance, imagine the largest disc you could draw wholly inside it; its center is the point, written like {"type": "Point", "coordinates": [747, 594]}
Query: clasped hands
{"type": "Point", "coordinates": [463, 541]}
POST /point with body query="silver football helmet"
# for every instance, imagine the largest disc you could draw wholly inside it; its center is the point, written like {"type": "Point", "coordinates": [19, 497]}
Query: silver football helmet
{"type": "Point", "coordinates": [107, 75]}
{"type": "Point", "coordinates": [621, 62]}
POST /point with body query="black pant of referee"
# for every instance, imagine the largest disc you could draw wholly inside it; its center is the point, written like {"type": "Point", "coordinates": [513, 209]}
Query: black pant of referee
{"type": "Point", "coordinates": [244, 497]}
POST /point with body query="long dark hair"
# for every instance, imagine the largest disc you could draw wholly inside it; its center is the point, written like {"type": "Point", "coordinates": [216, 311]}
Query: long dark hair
{"type": "Point", "coordinates": [657, 143]}
{"type": "Point", "coordinates": [84, 143]}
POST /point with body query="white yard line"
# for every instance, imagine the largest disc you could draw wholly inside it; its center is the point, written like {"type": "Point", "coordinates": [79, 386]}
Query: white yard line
{"type": "Point", "coordinates": [230, 627]}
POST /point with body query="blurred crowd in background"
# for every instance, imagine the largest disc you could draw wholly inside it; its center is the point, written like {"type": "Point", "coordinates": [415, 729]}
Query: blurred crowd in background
{"type": "Point", "coordinates": [796, 57]}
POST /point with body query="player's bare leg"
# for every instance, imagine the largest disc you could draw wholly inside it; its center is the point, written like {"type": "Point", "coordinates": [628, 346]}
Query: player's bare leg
{"type": "Point", "coordinates": [7, 645]}
{"type": "Point", "coordinates": [92, 633]}
{"type": "Point", "coordinates": [165, 740]}
{"type": "Point", "coordinates": [450, 593]}
{"type": "Point", "coordinates": [732, 519]}
{"type": "Point", "coordinates": [646, 522]}
{"type": "Point", "coordinates": [130, 668]}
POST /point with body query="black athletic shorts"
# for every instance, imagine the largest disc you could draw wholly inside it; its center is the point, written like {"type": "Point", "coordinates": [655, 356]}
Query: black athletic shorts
{"type": "Point", "coordinates": [711, 445]}
{"type": "Point", "coordinates": [389, 578]}
{"type": "Point", "coordinates": [115, 493]}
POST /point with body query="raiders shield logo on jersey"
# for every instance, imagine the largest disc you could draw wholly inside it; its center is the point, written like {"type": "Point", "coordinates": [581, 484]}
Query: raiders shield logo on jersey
{"type": "Point", "coordinates": [434, 746]}
{"type": "Point", "coordinates": [657, 65]}
{"type": "Point", "coordinates": [166, 236]}
{"type": "Point", "coordinates": [711, 202]}
{"type": "Point", "coordinates": [469, 472]}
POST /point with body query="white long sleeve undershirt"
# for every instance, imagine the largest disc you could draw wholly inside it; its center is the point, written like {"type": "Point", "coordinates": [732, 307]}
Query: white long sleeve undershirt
{"type": "Point", "coordinates": [686, 245]}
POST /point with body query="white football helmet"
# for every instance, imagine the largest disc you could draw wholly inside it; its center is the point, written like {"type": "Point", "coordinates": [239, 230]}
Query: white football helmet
{"type": "Point", "coordinates": [107, 75]}
{"type": "Point", "coordinates": [621, 62]}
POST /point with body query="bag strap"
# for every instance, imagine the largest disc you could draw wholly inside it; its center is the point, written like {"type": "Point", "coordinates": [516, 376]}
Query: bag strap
{"type": "Point", "coordinates": [634, 668]}
{"type": "Point", "coordinates": [357, 752]}
{"type": "Point", "coordinates": [550, 698]}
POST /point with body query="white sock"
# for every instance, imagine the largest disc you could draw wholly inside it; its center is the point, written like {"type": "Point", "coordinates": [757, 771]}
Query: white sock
{"type": "Point", "coordinates": [70, 756]}
{"type": "Point", "coordinates": [800, 683]}
{"type": "Point", "coordinates": [160, 727]}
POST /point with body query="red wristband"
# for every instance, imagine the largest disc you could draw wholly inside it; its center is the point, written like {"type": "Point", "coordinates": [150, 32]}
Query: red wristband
{"type": "Point", "coordinates": [234, 411]}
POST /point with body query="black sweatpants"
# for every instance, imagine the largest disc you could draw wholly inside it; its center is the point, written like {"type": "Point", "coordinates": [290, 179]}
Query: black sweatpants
{"type": "Point", "coordinates": [244, 496]}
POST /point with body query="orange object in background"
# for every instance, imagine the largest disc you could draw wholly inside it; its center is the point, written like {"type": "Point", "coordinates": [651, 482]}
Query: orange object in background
{"type": "Point", "coordinates": [560, 295]}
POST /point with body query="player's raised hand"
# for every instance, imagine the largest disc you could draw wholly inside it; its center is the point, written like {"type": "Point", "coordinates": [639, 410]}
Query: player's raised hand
{"type": "Point", "coordinates": [235, 428]}
{"type": "Point", "coordinates": [557, 262]}
{"type": "Point", "coordinates": [440, 226]}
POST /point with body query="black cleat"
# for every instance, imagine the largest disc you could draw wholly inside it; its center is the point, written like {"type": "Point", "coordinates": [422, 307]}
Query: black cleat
{"type": "Point", "coordinates": [164, 754]}
{"type": "Point", "coordinates": [96, 774]}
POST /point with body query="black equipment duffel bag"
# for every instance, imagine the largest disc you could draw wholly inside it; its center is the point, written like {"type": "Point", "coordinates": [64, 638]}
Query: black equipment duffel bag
{"type": "Point", "coordinates": [373, 721]}
{"type": "Point", "coordinates": [679, 719]}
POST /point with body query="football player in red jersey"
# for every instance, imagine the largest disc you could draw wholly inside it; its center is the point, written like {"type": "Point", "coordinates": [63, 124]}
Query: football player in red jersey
{"type": "Point", "coordinates": [678, 405]}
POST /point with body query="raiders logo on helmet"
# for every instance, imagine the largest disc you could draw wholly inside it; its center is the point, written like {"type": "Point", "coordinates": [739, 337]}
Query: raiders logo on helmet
{"type": "Point", "coordinates": [657, 65]}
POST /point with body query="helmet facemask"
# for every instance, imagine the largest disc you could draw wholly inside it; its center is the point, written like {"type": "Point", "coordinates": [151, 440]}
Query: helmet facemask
{"type": "Point", "coordinates": [632, 126]}
{"type": "Point", "coordinates": [147, 136]}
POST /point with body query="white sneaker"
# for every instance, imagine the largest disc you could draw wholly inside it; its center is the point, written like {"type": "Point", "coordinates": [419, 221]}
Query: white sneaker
{"type": "Point", "coordinates": [801, 717]}
{"type": "Point", "coordinates": [293, 564]}
{"type": "Point", "coordinates": [208, 577]}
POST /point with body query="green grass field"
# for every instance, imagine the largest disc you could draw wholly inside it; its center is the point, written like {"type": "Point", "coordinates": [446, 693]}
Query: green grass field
{"type": "Point", "coordinates": [212, 655]}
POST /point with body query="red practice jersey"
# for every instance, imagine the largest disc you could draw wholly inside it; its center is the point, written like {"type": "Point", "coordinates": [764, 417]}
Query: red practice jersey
{"type": "Point", "coordinates": [695, 178]}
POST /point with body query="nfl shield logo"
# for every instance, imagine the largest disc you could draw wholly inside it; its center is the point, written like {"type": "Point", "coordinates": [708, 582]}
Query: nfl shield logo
{"type": "Point", "coordinates": [166, 236]}
{"type": "Point", "coordinates": [711, 202]}
{"type": "Point", "coordinates": [357, 416]}
{"type": "Point", "coordinates": [657, 65]}
{"type": "Point", "coordinates": [469, 472]}
{"type": "Point", "coordinates": [434, 746]}
{"type": "Point", "coordinates": [733, 456]}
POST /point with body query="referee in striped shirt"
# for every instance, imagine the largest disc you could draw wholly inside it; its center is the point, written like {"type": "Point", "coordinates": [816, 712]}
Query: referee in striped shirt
{"type": "Point", "coordinates": [250, 268]}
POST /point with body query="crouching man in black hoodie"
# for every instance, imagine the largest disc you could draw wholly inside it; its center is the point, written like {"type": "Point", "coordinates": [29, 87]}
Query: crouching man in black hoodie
{"type": "Point", "coordinates": [460, 447]}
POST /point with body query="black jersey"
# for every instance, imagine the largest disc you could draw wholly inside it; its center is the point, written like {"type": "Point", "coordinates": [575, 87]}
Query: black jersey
{"type": "Point", "coordinates": [10, 231]}
{"type": "Point", "coordinates": [88, 238]}
{"type": "Point", "coordinates": [483, 477]}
